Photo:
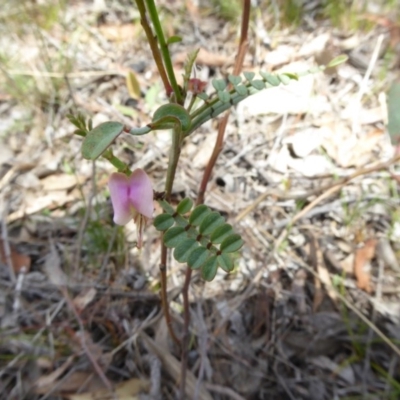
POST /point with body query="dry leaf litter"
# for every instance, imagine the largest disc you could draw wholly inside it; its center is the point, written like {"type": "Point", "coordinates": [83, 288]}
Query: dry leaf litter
{"type": "Point", "coordinates": [312, 310]}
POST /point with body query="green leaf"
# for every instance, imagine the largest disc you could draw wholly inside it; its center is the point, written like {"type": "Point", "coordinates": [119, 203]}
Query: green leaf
{"type": "Point", "coordinates": [174, 236]}
{"type": "Point", "coordinates": [80, 132]}
{"type": "Point", "coordinates": [209, 269]}
{"type": "Point", "coordinates": [225, 262]}
{"type": "Point", "coordinates": [249, 75]}
{"type": "Point", "coordinates": [273, 80]}
{"type": "Point", "coordinates": [184, 206]}
{"type": "Point", "coordinates": [100, 138]}
{"type": "Point", "coordinates": [203, 96]}
{"type": "Point", "coordinates": [183, 250]}
{"type": "Point", "coordinates": [77, 120]}
{"type": "Point", "coordinates": [198, 257]}
{"type": "Point", "coordinates": [393, 103]}
{"type": "Point", "coordinates": [133, 85]}
{"type": "Point", "coordinates": [140, 131]}
{"type": "Point", "coordinates": [235, 80]}
{"type": "Point", "coordinates": [168, 115]}
{"type": "Point", "coordinates": [292, 75]}
{"type": "Point", "coordinates": [166, 207]}
{"type": "Point", "coordinates": [219, 84]}
{"type": "Point", "coordinates": [231, 244]}
{"type": "Point", "coordinates": [174, 39]}
{"type": "Point", "coordinates": [211, 222]}
{"type": "Point", "coordinates": [284, 78]}
{"type": "Point", "coordinates": [220, 233]}
{"type": "Point", "coordinates": [258, 84]}
{"type": "Point", "coordinates": [337, 61]}
{"type": "Point", "coordinates": [224, 96]}
{"type": "Point", "coordinates": [190, 60]}
{"type": "Point", "coordinates": [242, 90]}
{"type": "Point", "coordinates": [163, 222]}
{"type": "Point", "coordinates": [198, 214]}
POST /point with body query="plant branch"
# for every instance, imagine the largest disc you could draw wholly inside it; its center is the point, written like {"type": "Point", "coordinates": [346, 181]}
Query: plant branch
{"type": "Point", "coordinates": [164, 49]}
{"type": "Point", "coordinates": [223, 123]}
{"type": "Point", "coordinates": [116, 162]}
{"type": "Point", "coordinates": [203, 186]}
{"type": "Point", "coordinates": [172, 165]}
{"type": "Point", "coordinates": [153, 45]}
{"type": "Point", "coordinates": [185, 336]}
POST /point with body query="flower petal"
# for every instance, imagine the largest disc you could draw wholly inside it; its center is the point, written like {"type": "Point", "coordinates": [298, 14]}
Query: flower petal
{"type": "Point", "coordinates": [141, 193]}
{"type": "Point", "coordinates": [119, 185]}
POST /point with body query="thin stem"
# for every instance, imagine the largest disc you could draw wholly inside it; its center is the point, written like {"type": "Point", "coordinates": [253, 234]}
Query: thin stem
{"type": "Point", "coordinates": [173, 160]}
{"type": "Point", "coordinates": [172, 164]}
{"type": "Point", "coordinates": [153, 45]}
{"type": "Point", "coordinates": [185, 336]}
{"type": "Point", "coordinates": [222, 126]}
{"type": "Point", "coordinates": [120, 165]}
{"type": "Point", "coordinates": [164, 295]}
{"type": "Point", "coordinates": [164, 49]}
{"type": "Point", "coordinates": [206, 176]}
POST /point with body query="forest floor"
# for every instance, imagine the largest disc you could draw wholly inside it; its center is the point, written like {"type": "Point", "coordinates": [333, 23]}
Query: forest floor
{"type": "Point", "coordinates": [308, 176]}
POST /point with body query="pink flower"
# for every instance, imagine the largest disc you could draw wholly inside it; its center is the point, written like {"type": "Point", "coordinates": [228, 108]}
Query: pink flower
{"type": "Point", "coordinates": [132, 198]}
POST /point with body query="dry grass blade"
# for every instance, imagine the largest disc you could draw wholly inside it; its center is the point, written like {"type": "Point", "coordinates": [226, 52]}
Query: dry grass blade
{"type": "Point", "coordinates": [173, 367]}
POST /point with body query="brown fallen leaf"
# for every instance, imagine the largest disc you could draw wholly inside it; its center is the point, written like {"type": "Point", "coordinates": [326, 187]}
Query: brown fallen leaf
{"type": "Point", "coordinates": [70, 383]}
{"type": "Point", "coordinates": [128, 390]}
{"type": "Point", "coordinates": [60, 182]}
{"type": "Point", "coordinates": [18, 260]}
{"type": "Point", "coordinates": [46, 382]}
{"type": "Point", "coordinates": [119, 33]}
{"type": "Point", "coordinates": [362, 259]}
{"type": "Point", "coordinates": [84, 298]}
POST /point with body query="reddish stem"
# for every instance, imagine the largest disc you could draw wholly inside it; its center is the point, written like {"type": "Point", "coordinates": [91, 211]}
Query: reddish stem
{"type": "Point", "coordinates": [203, 187]}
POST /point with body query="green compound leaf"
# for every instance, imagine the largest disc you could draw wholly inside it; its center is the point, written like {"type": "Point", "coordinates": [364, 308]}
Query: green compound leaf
{"type": "Point", "coordinates": [231, 244]}
{"type": "Point", "coordinates": [209, 269]}
{"type": "Point", "coordinates": [198, 214]}
{"type": "Point", "coordinates": [225, 262]}
{"type": "Point", "coordinates": [258, 84]}
{"type": "Point", "coordinates": [211, 222]}
{"type": "Point", "coordinates": [219, 84]}
{"type": "Point", "coordinates": [235, 80]}
{"type": "Point", "coordinates": [198, 257]}
{"type": "Point", "coordinates": [174, 236]}
{"type": "Point", "coordinates": [242, 90]}
{"type": "Point", "coordinates": [184, 206]}
{"type": "Point", "coordinates": [249, 75]}
{"type": "Point", "coordinates": [190, 60]}
{"type": "Point", "coordinates": [163, 222]}
{"type": "Point", "coordinates": [337, 61]}
{"type": "Point", "coordinates": [273, 80]}
{"type": "Point", "coordinates": [225, 97]}
{"type": "Point", "coordinates": [183, 250]}
{"type": "Point", "coordinates": [100, 138]}
{"type": "Point", "coordinates": [168, 115]}
{"type": "Point", "coordinates": [220, 233]}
